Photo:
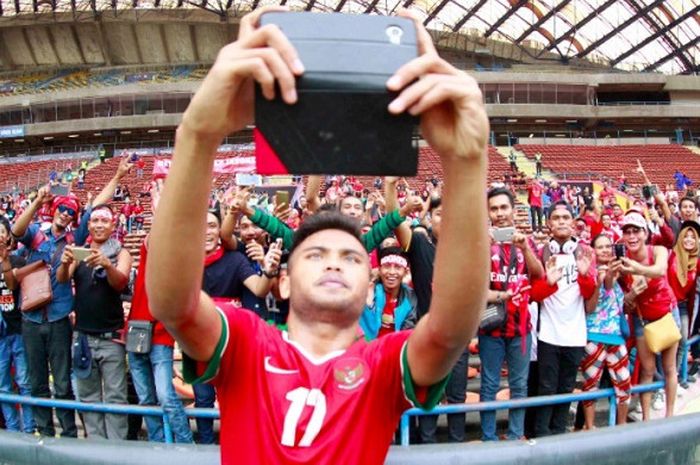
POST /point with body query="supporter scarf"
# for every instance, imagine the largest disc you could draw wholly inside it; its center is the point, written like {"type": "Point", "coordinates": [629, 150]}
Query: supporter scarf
{"type": "Point", "coordinates": [687, 260]}
{"type": "Point", "coordinates": [214, 256]}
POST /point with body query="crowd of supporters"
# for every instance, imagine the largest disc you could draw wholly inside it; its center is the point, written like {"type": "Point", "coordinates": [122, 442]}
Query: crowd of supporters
{"type": "Point", "coordinates": [576, 292]}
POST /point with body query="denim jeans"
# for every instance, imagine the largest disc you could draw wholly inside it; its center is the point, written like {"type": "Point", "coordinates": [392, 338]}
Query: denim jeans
{"type": "Point", "coordinates": [12, 353]}
{"type": "Point", "coordinates": [153, 379]}
{"type": "Point", "coordinates": [49, 344]}
{"type": "Point", "coordinates": [455, 391]}
{"type": "Point", "coordinates": [204, 397]}
{"type": "Point", "coordinates": [492, 351]}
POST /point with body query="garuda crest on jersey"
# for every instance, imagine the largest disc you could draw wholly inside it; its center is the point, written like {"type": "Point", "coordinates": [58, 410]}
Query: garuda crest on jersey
{"type": "Point", "coordinates": [350, 373]}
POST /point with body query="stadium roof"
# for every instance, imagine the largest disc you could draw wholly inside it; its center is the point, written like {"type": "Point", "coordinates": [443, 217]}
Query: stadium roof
{"type": "Point", "coordinates": [640, 35]}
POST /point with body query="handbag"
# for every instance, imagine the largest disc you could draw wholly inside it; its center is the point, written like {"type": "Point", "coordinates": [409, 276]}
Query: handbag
{"type": "Point", "coordinates": [660, 334]}
{"type": "Point", "coordinates": [35, 285]}
{"type": "Point", "coordinates": [139, 336]}
{"type": "Point", "coordinates": [495, 314]}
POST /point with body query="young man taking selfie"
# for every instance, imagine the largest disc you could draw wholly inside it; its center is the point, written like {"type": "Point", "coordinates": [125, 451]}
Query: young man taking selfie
{"type": "Point", "coordinates": [304, 395]}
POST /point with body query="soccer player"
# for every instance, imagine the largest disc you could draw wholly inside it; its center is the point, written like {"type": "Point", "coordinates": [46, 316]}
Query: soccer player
{"type": "Point", "coordinates": [318, 393]}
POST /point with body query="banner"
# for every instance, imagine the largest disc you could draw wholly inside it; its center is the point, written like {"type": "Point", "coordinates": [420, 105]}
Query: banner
{"type": "Point", "coordinates": [7, 132]}
{"type": "Point", "coordinates": [221, 166]}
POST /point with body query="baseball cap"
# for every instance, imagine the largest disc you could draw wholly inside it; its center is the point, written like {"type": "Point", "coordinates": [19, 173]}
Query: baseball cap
{"type": "Point", "coordinates": [634, 218]}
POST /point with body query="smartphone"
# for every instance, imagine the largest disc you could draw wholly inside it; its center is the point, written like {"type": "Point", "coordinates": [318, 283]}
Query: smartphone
{"type": "Point", "coordinates": [282, 197]}
{"type": "Point", "coordinates": [503, 234]}
{"type": "Point", "coordinates": [81, 253]}
{"type": "Point", "coordinates": [620, 250]}
{"type": "Point", "coordinates": [340, 123]}
{"type": "Point", "coordinates": [59, 190]}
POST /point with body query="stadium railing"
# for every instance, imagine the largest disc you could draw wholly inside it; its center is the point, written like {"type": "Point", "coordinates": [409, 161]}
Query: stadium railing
{"type": "Point", "coordinates": [538, 401]}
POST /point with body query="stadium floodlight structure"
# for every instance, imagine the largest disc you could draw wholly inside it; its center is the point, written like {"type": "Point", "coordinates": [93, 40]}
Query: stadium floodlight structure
{"type": "Point", "coordinates": [644, 35]}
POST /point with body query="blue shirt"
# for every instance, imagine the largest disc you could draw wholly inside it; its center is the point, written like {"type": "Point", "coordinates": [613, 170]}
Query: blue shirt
{"type": "Point", "coordinates": [44, 246]}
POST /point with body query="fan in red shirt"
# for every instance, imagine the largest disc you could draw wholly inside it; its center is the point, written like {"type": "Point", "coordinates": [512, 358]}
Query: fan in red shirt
{"type": "Point", "coordinates": [317, 393]}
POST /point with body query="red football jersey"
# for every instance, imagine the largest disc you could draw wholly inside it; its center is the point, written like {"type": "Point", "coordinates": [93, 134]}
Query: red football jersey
{"type": "Point", "coordinates": [281, 405]}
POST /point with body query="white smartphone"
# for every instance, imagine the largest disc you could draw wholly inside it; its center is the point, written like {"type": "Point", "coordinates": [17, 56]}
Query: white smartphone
{"type": "Point", "coordinates": [503, 234]}
{"type": "Point", "coordinates": [81, 253]}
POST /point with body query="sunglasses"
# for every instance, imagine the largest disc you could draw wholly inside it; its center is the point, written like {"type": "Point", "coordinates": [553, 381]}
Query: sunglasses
{"type": "Point", "coordinates": [64, 209]}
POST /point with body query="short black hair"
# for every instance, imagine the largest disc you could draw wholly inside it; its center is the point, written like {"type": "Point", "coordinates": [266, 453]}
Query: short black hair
{"type": "Point", "coordinates": [323, 221]}
{"type": "Point", "coordinates": [216, 213]}
{"type": "Point", "coordinates": [435, 202]}
{"type": "Point", "coordinates": [496, 191]}
{"type": "Point", "coordinates": [386, 251]}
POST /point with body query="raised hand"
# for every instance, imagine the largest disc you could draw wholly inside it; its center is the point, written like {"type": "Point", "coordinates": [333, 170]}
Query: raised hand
{"type": "Point", "coordinates": [282, 211]}
{"type": "Point", "coordinates": [224, 102]}
{"type": "Point", "coordinates": [584, 259]}
{"type": "Point", "coordinates": [239, 203]}
{"type": "Point", "coordinates": [453, 117]}
{"type": "Point", "coordinates": [273, 257]}
{"type": "Point", "coordinates": [255, 251]}
{"type": "Point", "coordinates": [554, 273]}
{"type": "Point", "coordinates": [124, 166]}
{"type": "Point", "coordinates": [414, 204]}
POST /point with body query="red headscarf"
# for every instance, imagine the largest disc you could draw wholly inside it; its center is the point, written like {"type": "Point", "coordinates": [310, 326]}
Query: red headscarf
{"type": "Point", "coordinates": [70, 201]}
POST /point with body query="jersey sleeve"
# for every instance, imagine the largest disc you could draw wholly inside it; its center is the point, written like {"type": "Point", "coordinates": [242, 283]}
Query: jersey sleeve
{"type": "Point", "coordinates": [391, 350]}
{"type": "Point", "coordinates": [236, 341]}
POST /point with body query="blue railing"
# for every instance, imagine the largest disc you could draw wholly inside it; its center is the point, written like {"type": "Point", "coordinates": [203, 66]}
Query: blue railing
{"type": "Point", "coordinates": [444, 409]}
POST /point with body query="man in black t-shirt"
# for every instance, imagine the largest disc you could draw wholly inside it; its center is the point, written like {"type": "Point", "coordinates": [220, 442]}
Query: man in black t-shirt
{"type": "Point", "coordinates": [99, 358]}
{"type": "Point", "coordinates": [11, 345]}
{"type": "Point", "coordinates": [420, 244]}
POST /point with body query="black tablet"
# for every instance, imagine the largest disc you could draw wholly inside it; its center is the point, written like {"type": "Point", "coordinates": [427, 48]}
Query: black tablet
{"type": "Point", "coordinates": [340, 123]}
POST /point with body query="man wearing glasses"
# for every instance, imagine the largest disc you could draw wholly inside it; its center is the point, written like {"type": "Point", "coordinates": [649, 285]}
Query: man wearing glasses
{"type": "Point", "coordinates": [47, 330]}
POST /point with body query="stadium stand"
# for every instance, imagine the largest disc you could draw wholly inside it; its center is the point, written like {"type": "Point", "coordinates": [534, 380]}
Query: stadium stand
{"type": "Point", "coordinates": [660, 161]}
{"type": "Point", "coordinates": [64, 80]}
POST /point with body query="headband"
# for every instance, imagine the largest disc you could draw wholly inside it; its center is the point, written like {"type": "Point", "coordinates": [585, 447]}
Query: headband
{"type": "Point", "coordinates": [394, 259]}
{"type": "Point", "coordinates": [102, 213]}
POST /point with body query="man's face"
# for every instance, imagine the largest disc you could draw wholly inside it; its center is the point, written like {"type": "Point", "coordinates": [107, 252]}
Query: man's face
{"type": "Point", "coordinates": [500, 211]}
{"type": "Point", "coordinates": [248, 231]}
{"type": "Point", "coordinates": [352, 207]}
{"type": "Point", "coordinates": [688, 210]}
{"type": "Point", "coordinates": [561, 223]}
{"type": "Point", "coordinates": [211, 239]}
{"type": "Point", "coordinates": [63, 216]}
{"type": "Point", "coordinates": [606, 221]}
{"type": "Point", "coordinates": [617, 211]}
{"type": "Point", "coordinates": [328, 278]}
{"type": "Point", "coordinates": [101, 225]}
{"type": "Point", "coordinates": [392, 276]}
{"type": "Point", "coordinates": [436, 221]}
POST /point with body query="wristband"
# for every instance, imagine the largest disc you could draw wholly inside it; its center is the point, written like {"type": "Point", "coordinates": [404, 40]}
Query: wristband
{"type": "Point", "coordinates": [271, 275]}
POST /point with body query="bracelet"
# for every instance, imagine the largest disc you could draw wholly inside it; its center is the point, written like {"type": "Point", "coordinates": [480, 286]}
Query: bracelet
{"type": "Point", "coordinates": [271, 275]}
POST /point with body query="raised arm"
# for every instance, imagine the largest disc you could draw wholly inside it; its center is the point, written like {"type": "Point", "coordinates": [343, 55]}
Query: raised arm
{"type": "Point", "coordinates": [25, 219]}
{"type": "Point", "coordinates": [454, 122]}
{"type": "Point", "coordinates": [313, 187]}
{"type": "Point", "coordinates": [222, 105]}
{"type": "Point", "coordinates": [107, 192]}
